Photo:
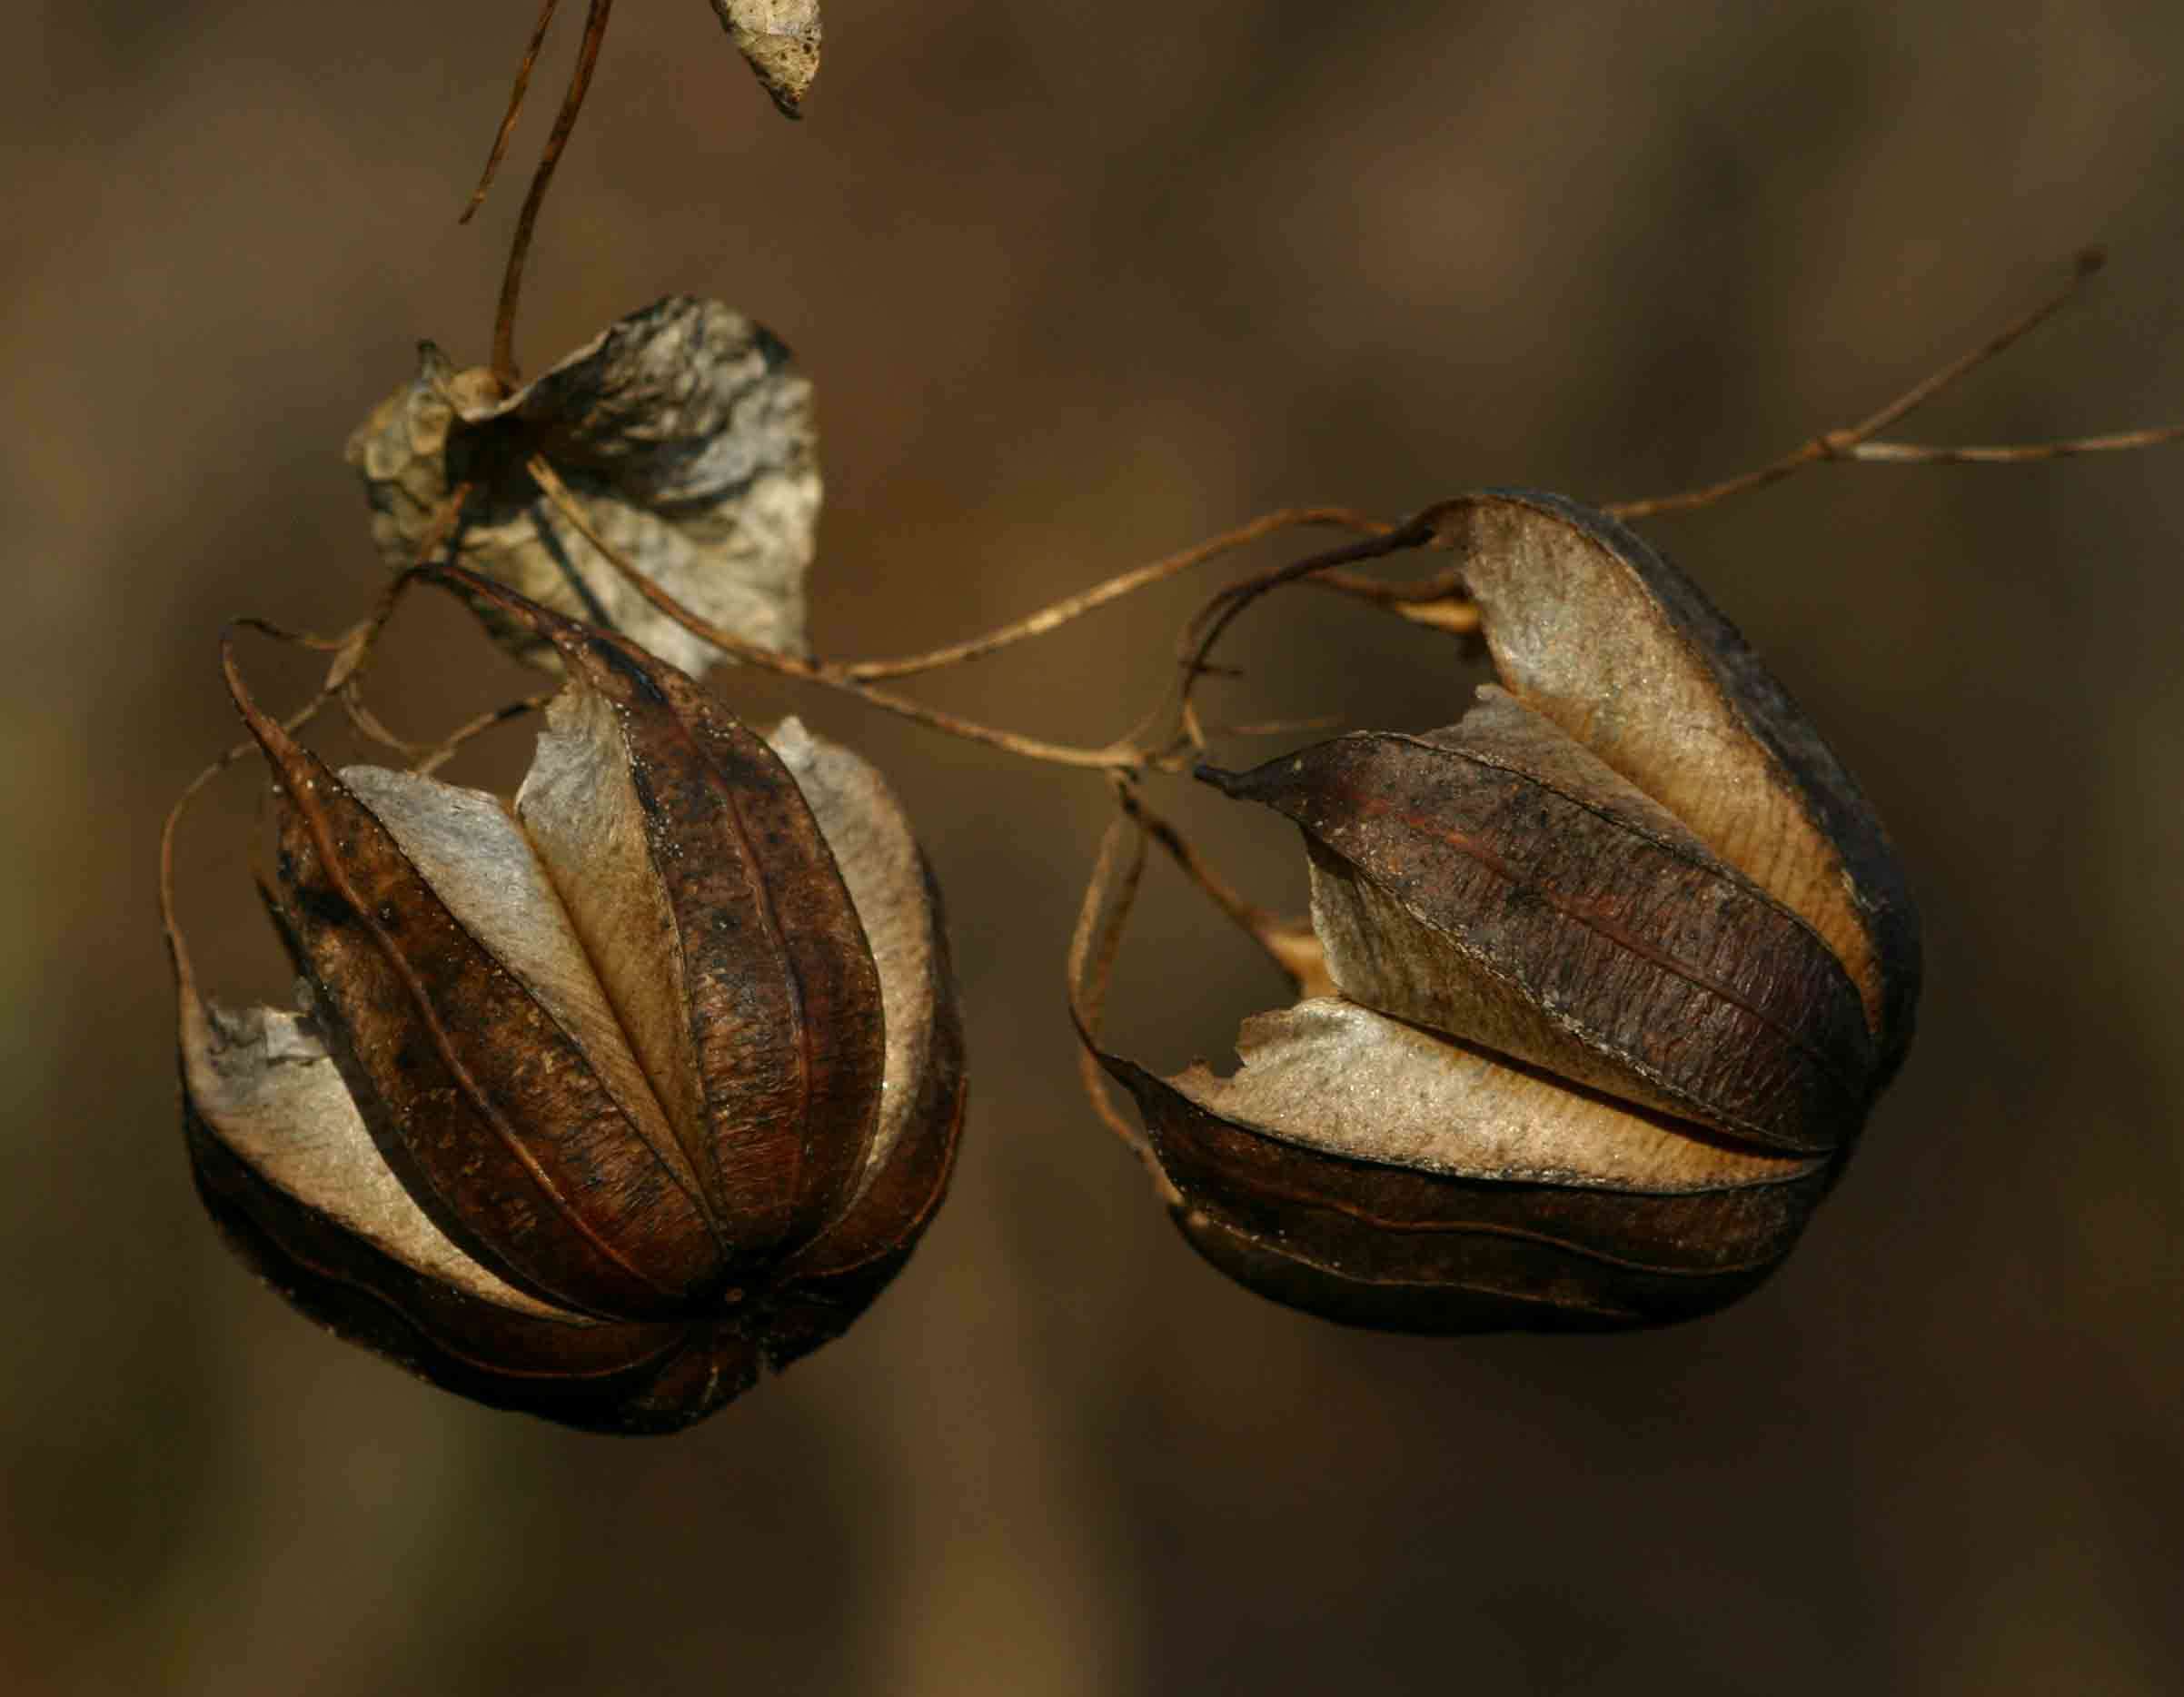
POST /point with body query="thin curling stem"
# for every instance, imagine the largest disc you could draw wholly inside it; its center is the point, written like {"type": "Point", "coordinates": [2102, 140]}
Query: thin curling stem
{"type": "Point", "coordinates": [351, 649]}
{"type": "Point", "coordinates": [1846, 443]}
{"type": "Point", "coordinates": [1205, 629]}
{"type": "Point", "coordinates": [524, 67]}
{"type": "Point", "coordinates": [511, 279]}
{"type": "Point", "coordinates": [1293, 948]}
{"type": "Point", "coordinates": [1109, 894]}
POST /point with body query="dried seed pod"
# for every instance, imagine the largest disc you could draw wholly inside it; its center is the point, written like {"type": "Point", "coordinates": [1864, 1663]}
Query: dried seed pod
{"type": "Point", "coordinates": [597, 1101]}
{"type": "Point", "coordinates": [1623, 958]}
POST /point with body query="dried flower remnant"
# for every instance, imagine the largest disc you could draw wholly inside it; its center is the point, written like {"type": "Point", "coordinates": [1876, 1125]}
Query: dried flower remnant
{"type": "Point", "coordinates": [781, 39]}
{"type": "Point", "coordinates": [685, 432]}
{"type": "Point", "coordinates": [599, 1100]}
{"type": "Point", "coordinates": [1623, 958]}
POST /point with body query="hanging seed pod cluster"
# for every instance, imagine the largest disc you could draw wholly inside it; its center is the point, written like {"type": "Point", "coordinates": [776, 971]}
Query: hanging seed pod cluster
{"type": "Point", "coordinates": [1622, 959]}
{"type": "Point", "coordinates": [596, 1101]}
{"type": "Point", "coordinates": [599, 1100]}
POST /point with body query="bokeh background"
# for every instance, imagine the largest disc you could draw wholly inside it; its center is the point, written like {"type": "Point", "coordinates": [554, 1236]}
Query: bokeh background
{"type": "Point", "coordinates": [1078, 285]}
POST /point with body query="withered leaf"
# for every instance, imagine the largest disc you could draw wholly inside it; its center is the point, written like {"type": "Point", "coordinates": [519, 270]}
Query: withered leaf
{"type": "Point", "coordinates": [781, 38]}
{"type": "Point", "coordinates": [685, 433]}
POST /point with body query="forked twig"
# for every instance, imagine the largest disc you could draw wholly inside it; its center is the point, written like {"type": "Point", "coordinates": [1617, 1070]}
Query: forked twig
{"type": "Point", "coordinates": [1853, 441]}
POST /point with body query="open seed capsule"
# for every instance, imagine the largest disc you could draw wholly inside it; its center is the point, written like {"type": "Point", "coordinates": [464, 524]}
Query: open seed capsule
{"type": "Point", "coordinates": [1623, 958]}
{"type": "Point", "coordinates": [597, 1101]}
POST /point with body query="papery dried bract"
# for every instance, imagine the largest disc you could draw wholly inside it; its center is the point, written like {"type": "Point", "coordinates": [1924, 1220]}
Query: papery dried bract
{"type": "Point", "coordinates": [1593, 629]}
{"type": "Point", "coordinates": [1624, 958]}
{"type": "Point", "coordinates": [684, 433]}
{"type": "Point", "coordinates": [596, 1103]}
{"type": "Point", "coordinates": [781, 38]}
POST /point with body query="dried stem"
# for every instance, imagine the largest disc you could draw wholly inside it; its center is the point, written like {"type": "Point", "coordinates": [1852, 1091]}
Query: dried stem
{"type": "Point", "coordinates": [2014, 453]}
{"type": "Point", "coordinates": [1292, 947]}
{"type": "Point", "coordinates": [515, 109]}
{"type": "Point", "coordinates": [349, 649]}
{"type": "Point", "coordinates": [511, 279]}
{"type": "Point", "coordinates": [1196, 645]}
{"type": "Point", "coordinates": [1125, 583]}
{"type": "Point", "coordinates": [1121, 754]}
{"type": "Point", "coordinates": [1846, 443]}
{"type": "Point", "coordinates": [1109, 894]}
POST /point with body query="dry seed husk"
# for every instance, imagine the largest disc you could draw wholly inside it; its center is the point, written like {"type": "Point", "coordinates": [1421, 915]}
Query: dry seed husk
{"type": "Point", "coordinates": [1624, 958]}
{"type": "Point", "coordinates": [457, 1154]}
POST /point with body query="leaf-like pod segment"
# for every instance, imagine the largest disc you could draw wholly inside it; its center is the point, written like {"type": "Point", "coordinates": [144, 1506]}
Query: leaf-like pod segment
{"type": "Point", "coordinates": [1593, 629]}
{"type": "Point", "coordinates": [599, 1101]}
{"type": "Point", "coordinates": [1368, 1170]}
{"type": "Point", "coordinates": [1495, 882]}
{"type": "Point", "coordinates": [1623, 958]}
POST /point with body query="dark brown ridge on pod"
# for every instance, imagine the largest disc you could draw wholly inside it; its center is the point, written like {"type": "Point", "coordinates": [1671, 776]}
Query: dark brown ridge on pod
{"type": "Point", "coordinates": [491, 1115]}
{"type": "Point", "coordinates": [1405, 1249]}
{"type": "Point", "coordinates": [773, 1078]}
{"type": "Point", "coordinates": [604, 1376]}
{"type": "Point", "coordinates": [1592, 628]}
{"type": "Point", "coordinates": [834, 1279]}
{"type": "Point", "coordinates": [1497, 882]}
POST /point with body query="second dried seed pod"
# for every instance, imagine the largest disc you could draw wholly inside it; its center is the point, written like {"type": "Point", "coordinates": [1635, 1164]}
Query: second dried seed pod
{"type": "Point", "coordinates": [1623, 958]}
{"type": "Point", "coordinates": [595, 1102]}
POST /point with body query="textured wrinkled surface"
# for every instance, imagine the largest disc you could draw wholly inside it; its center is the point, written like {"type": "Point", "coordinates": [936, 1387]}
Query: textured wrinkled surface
{"type": "Point", "coordinates": [1623, 959]}
{"type": "Point", "coordinates": [781, 38]}
{"type": "Point", "coordinates": [684, 432]}
{"type": "Point", "coordinates": [1495, 882]}
{"type": "Point", "coordinates": [596, 1101]}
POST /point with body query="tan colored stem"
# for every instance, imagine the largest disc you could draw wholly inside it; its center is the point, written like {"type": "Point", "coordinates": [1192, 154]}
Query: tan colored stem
{"type": "Point", "coordinates": [2014, 453]}
{"type": "Point", "coordinates": [1293, 948]}
{"type": "Point", "coordinates": [1123, 584]}
{"type": "Point", "coordinates": [1122, 755]}
{"type": "Point", "coordinates": [1844, 444]}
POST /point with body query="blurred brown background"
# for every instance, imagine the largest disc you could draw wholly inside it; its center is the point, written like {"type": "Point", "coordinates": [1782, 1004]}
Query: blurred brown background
{"type": "Point", "coordinates": [1079, 284]}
